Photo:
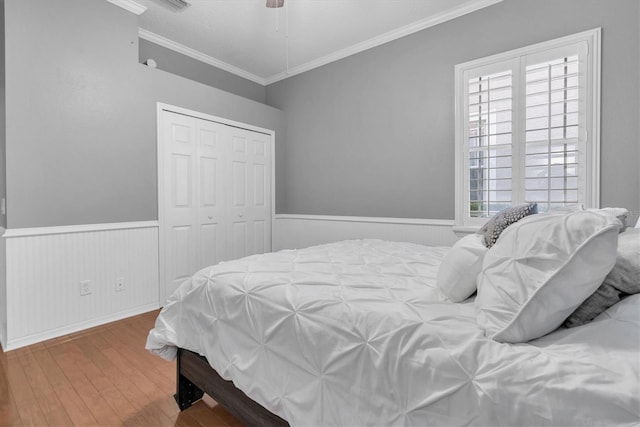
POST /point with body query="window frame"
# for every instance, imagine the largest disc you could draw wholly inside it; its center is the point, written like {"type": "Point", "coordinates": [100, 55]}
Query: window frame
{"type": "Point", "coordinates": [463, 222]}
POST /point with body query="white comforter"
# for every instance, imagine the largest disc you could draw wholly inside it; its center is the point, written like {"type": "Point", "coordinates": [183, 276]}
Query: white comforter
{"type": "Point", "coordinates": [353, 333]}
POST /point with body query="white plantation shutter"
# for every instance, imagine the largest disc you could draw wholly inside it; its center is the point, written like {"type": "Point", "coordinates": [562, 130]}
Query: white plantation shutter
{"type": "Point", "coordinates": [490, 135]}
{"type": "Point", "coordinates": [526, 128]}
{"type": "Point", "coordinates": [555, 127]}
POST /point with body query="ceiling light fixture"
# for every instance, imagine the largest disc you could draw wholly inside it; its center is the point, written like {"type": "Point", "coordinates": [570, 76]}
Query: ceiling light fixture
{"type": "Point", "coordinates": [179, 3]}
{"type": "Point", "coordinates": [275, 3]}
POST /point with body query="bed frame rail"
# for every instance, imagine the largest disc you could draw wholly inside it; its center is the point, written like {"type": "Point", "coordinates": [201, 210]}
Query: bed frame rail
{"type": "Point", "coordinates": [195, 377]}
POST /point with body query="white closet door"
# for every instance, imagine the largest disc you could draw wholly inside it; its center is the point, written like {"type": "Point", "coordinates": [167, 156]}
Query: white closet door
{"type": "Point", "coordinates": [180, 214]}
{"type": "Point", "coordinates": [212, 170]}
{"type": "Point", "coordinates": [216, 195]}
{"type": "Point", "coordinates": [250, 209]}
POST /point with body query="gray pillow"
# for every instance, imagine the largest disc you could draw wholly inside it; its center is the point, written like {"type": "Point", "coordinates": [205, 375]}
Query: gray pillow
{"type": "Point", "coordinates": [622, 281]}
{"type": "Point", "coordinates": [500, 221]}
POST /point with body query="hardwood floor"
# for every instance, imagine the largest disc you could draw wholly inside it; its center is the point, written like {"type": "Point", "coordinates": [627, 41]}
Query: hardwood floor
{"type": "Point", "coordinates": [99, 377]}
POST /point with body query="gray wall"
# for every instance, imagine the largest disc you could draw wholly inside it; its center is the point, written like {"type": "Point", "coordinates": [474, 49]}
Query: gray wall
{"type": "Point", "coordinates": [81, 114]}
{"type": "Point", "coordinates": [373, 134]}
{"type": "Point", "coordinates": [369, 135]}
{"type": "Point", "coordinates": [182, 65]}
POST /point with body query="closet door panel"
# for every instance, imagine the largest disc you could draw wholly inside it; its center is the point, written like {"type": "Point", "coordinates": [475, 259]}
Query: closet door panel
{"type": "Point", "coordinates": [211, 194]}
{"type": "Point", "coordinates": [179, 209]}
{"type": "Point", "coordinates": [239, 184]}
{"type": "Point", "coordinates": [239, 239]}
{"type": "Point", "coordinates": [250, 187]}
{"type": "Point", "coordinates": [260, 206]}
{"type": "Point", "coordinates": [259, 234]}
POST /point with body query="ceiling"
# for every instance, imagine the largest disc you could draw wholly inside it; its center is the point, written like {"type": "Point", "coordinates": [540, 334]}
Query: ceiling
{"type": "Point", "coordinates": [266, 45]}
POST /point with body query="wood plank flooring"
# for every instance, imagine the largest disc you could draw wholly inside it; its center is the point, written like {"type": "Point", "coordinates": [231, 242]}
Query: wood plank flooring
{"type": "Point", "coordinates": [99, 377]}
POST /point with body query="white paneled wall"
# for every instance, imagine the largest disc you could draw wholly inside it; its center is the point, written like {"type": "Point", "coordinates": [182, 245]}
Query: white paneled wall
{"type": "Point", "coordinates": [41, 268]}
{"type": "Point", "coordinates": [3, 290]}
{"type": "Point", "coordinates": [44, 268]}
{"type": "Point", "coordinates": [298, 231]}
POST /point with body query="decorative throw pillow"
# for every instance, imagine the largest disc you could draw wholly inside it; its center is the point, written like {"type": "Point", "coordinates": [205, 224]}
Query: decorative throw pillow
{"type": "Point", "coordinates": [540, 270]}
{"type": "Point", "coordinates": [622, 281]}
{"type": "Point", "coordinates": [500, 221]}
{"type": "Point", "coordinates": [460, 267]}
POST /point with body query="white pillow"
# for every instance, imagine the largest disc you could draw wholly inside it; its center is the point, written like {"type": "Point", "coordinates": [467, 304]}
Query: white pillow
{"type": "Point", "coordinates": [540, 270]}
{"type": "Point", "coordinates": [568, 208]}
{"type": "Point", "coordinates": [460, 267]}
{"type": "Point", "coordinates": [620, 213]}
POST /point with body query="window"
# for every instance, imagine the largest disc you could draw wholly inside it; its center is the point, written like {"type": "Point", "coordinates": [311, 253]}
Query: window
{"type": "Point", "coordinates": [527, 128]}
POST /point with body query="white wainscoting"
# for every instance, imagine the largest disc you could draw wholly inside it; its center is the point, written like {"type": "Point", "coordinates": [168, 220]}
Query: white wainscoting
{"type": "Point", "coordinates": [44, 268]}
{"type": "Point", "coordinates": [41, 268]}
{"type": "Point", "coordinates": [3, 290]}
{"type": "Point", "coordinates": [298, 231]}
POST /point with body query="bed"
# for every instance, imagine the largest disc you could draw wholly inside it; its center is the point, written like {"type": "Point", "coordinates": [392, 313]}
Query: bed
{"type": "Point", "coordinates": [357, 333]}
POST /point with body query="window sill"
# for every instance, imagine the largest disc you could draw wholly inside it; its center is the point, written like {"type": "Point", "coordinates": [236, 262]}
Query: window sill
{"type": "Point", "coordinates": [464, 230]}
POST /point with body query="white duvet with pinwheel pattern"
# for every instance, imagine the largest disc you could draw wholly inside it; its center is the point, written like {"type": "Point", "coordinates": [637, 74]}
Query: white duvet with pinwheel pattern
{"type": "Point", "coordinates": [353, 333]}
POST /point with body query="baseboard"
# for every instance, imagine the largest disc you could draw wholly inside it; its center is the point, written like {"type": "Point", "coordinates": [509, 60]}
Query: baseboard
{"type": "Point", "coordinates": [297, 231]}
{"type": "Point", "coordinates": [69, 329]}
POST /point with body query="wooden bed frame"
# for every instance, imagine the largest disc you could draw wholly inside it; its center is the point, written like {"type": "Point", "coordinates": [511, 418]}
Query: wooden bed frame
{"type": "Point", "coordinates": [195, 377]}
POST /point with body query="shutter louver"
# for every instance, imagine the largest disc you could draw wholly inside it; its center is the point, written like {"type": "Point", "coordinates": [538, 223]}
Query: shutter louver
{"type": "Point", "coordinates": [490, 135]}
{"type": "Point", "coordinates": [552, 121]}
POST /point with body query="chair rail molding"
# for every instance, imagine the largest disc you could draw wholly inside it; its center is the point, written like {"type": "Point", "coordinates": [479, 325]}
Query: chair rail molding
{"type": "Point", "coordinates": [297, 231]}
{"type": "Point", "coordinates": [83, 228]}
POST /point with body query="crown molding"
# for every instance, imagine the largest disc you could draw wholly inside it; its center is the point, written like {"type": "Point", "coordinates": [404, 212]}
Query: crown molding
{"type": "Point", "coordinates": [463, 9]}
{"type": "Point", "coordinates": [129, 5]}
{"type": "Point", "coordinates": [192, 53]}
